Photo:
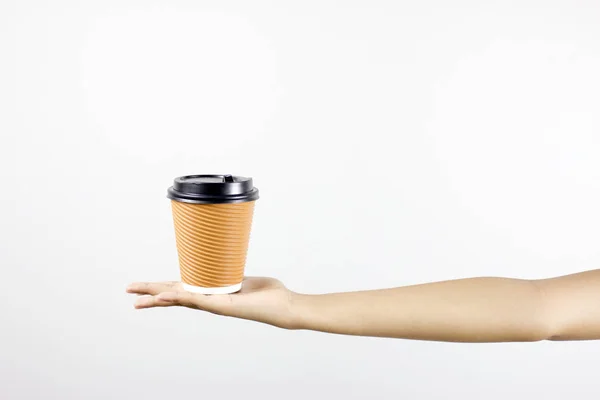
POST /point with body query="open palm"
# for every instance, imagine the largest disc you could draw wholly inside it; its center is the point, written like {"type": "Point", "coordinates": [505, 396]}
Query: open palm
{"type": "Point", "coordinates": [261, 299]}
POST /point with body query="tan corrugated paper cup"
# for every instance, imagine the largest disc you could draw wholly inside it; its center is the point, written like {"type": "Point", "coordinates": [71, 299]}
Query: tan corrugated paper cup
{"type": "Point", "coordinates": [213, 217]}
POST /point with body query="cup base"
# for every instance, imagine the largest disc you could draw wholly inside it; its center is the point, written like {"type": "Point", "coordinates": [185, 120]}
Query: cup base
{"type": "Point", "coordinates": [214, 290]}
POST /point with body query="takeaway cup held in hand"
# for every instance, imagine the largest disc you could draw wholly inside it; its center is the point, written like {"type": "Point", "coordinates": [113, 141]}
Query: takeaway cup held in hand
{"type": "Point", "coordinates": [213, 218]}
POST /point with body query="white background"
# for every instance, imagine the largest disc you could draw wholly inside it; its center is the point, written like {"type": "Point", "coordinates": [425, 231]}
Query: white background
{"type": "Point", "coordinates": [393, 143]}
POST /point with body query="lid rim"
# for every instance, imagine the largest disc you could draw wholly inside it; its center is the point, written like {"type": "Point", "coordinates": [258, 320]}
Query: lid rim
{"type": "Point", "coordinates": [212, 199]}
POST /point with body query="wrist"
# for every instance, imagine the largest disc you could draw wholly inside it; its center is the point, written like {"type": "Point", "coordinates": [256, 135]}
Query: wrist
{"type": "Point", "coordinates": [301, 311]}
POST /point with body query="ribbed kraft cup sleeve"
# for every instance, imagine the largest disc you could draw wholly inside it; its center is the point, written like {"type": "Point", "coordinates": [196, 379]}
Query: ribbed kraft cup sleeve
{"type": "Point", "coordinates": [212, 242]}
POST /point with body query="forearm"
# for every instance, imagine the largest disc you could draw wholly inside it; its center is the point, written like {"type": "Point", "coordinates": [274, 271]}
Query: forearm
{"type": "Point", "coordinates": [466, 310]}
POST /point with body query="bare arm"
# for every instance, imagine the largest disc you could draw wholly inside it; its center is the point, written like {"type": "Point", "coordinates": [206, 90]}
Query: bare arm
{"type": "Point", "coordinates": [573, 305]}
{"type": "Point", "coordinates": [465, 310]}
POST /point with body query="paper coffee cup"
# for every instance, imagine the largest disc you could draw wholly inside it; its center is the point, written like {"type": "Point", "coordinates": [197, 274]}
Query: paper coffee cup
{"type": "Point", "coordinates": [212, 215]}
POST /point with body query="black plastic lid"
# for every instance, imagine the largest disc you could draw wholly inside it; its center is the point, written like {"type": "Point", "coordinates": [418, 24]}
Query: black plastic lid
{"type": "Point", "coordinates": [211, 189]}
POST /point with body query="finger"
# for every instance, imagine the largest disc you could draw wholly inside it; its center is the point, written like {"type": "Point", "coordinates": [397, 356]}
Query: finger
{"type": "Point", "coordinates": [185, 299]}
{"type": "Point", "coordinates": [153, 288]}
{"type": "Point", "coordinates": [152, 301]}
{"type": "Point", "coordinates": [218, 304]}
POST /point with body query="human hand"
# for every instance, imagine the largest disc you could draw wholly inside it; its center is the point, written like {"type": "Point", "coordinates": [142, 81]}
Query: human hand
{"type": "Point", "coordinates": [261, 299]}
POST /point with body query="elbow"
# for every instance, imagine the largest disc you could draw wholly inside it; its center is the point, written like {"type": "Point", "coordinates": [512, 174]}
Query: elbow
{"type": "Point", "coordinates": [538, 335]}
{"type": "Point", "coordinates": [534, 332]}
{"type": "Point", "coordinates": [542, 325]}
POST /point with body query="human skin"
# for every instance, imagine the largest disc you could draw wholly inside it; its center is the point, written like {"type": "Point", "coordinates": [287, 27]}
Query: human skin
{"type": "Point", "coordinates": [485, 309]}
